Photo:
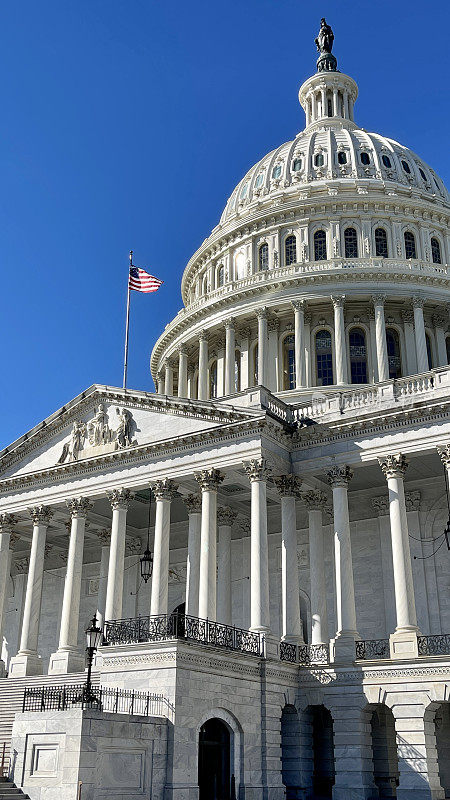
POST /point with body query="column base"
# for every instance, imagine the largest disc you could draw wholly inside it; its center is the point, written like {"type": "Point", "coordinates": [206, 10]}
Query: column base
{"type": "Point", "coordinates": [24, 664]}
{"type": "Point", "coordinates": [403, 644]}
{"type": "Point", "coordinates": [342, 648]}
{"type": "Point", "coordinates": [271, 646]}
{"type": "Point", "coordinates": [64, 661]}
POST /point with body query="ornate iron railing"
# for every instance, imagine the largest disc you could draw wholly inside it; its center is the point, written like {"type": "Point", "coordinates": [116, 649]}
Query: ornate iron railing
{"type": "Point", "coordinates": [371, 649]}
{"type": "Point", "coordinates": [304, 654]}
{"type": "Point", "coordinates": [104, 698]}
{"type": "Point", "coordinates": [182, 626]}
{"type": "Point", "coordinates": [437, 645]}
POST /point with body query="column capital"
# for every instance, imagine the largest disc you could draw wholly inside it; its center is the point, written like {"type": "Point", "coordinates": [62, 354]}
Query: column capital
{"type": "Point", "coordinates": [417, 301]}
{"type": "Point", "coordinates": [380, 505]}
{"type": "Point", "coordinates": [79, 507]}
{"type": "Point", "coordinates": [203, 336]}
{"type": "Point", "coordinates": [274, 324]}
{"type": "Point", "coordinates": [379, 299]}
{"type": "Point", "coordinates": [288, 485]}
{"type": "Point", "coordinates": [314, 500]}
{"type": "Point", "coordinates": [168, 364]}
{"type": "Point", "coordinates": [298, 305]}
{"type": "Point", "coordinates": [262, 313]}
{"type": "Point", "coordinates": [393, 466]}
{"type": "Point", "coordinates": [245, 333]}
{"type": "Point", "coordinates": [412, 501]}
{"type": "Point", "coordinates": [230, 322]}
{"type": "Point", "coordinates": [226, 516]}
{"type": "Point", "coordinates": [182, 350]}
{"type": "Point", "coordinates": [439, 321]}
{"type": "Point", "coordinates": [407, 315]}
{"type": "Point", "coordinates": [338, 300]}
{"type": "Point", "coordinates": [208, 479]}
{"type": "Point", "coordinates": [339, 477]}
{"type": "Point", "coordinates": [40, 515]}
{"type": "Point", "coordinates": [160, 375]}
{"type": "Point", "coordinates": [220, 343]}
{"type": "Point", "coordinates": [193, 503]}
{"type": "Point", "coordinates": [119, 498]}
{"type": "Point", "coordinates": [7, 522]}
{"type": "Point", "coordinates": [165, 489]}
{"type": "Point", "coordinates": [105, 536]}
{"type": "Point", "coordinates": [257, 469]}
{"type": "Point", "coordinates": [444, 452]}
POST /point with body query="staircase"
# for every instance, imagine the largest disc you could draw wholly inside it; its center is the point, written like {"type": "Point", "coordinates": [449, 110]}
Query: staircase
{"type": "Point", "coordinates": [9, 791]}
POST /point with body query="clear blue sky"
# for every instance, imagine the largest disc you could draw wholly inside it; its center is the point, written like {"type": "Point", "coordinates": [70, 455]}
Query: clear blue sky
{"type": "Point", "coordinates": [126, 124]}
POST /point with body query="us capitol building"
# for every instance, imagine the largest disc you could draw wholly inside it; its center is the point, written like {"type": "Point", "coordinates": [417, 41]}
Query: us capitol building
{"type": "Point", "coordinates": [291, 472]}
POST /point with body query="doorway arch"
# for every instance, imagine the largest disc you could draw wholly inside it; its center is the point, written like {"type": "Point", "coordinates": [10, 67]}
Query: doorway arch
{"type": "Point", "coordinates": [384, 750]}
{"type": "Point", "coordinates": [214, 760]}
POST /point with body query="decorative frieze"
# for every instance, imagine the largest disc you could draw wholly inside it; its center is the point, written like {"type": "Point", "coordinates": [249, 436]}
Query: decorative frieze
{"type": "Point", "coordinates": [393, 466]}
{"type": "Point", "coordinates": [380, 505]}
{"type": "Point", "coordinates": [412, 501]}
{"type": "Point", "coordinates": [339, 476]}
{"type": "Point", "coordinates": [96, 436]}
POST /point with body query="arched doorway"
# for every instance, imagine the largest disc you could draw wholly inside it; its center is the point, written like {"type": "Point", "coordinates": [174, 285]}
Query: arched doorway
{"type": "Point", "coordinates": [384, 751]}
{"type": "Point", "coordinates": [323, 752]}
{"type": "Point", "coordinates": [291, 753]}
{"type": "Point", "coordinates": [442, 732]}
{"type": "Point", "coordinates": [214, 778]}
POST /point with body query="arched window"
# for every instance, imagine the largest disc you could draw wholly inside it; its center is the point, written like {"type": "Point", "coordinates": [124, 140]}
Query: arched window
{"type": "Point", "coordinates": [237, 370]}
{"type": "Point", "coordinates": [289, 362]}
{"type": "Point", "coordinates": [350, 243]}
{"type": "Point", "coordinates": [422, 174]}
{"type": "Point", "coordinates": [263, 256]}
{"type": "Point", "coordinates": [410, 245]}
{"type": "Point", "coordinates": [386, 161]}
{"type": "Point", "coordinates": [290, 250]}
{"type": "Point", "coordinates": [324, 358]}
{"type": "Point", "coordinates": [221, 276]}
{"type": "Point", "coordinates": [318, 160]}
{"type": "Point", "coordinates": [239, 265]}
{"type": "Point", "coordinates": [205, 285]}
{"type": "Point", "coordinates": [435, 251]}
{"type": "Point", "coordinates": [447, 348]}
{"type": "Point", "coordinates": [393, 350]}
{"type": "Point", "coordinates": [342, 157]}
{"type": "Point", "coordinates": [320, 246]}
{"type": "Point", "coordinates": [213, 380]}
{"type": "Point", "coordinates": [429, 351]}
{"type": "Point", "coordinates": [358, 355]}
{"type": "Point", "coordinates": [406, 167]}
{"type": "Point", "coordinates": [381, 244]}
{"type": "Point", "coordinates": [365, 158]}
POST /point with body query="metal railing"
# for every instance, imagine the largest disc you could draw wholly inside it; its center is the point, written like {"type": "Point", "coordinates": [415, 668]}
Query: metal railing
{"type": "Point", "coordinates": [182, 626]}
{"type": "Point", "coordinates": [4, 761]}
{"type": "Point", "coordinates": [371, 649]}
{"type": "Point", "coordinates": [437, 645]}
{"type": "Point", "coordinates": [107, 698]}
{"type": "Point", "coordinates": [305, 654]}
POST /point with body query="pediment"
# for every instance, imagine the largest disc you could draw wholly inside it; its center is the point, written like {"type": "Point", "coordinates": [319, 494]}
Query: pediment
{"type": "Point", "coordinates": [103, 421]}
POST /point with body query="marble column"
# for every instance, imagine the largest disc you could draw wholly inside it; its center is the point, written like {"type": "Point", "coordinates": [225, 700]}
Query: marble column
{"type": "Point", "coordinates": [161, 384]}
{"type": "Point", "coordinates": [68, 657]}
{"type": "Point", "coordinates": [120, 500]}
{"type": "Point", "coordinates": [380, 336]}
{"type": "Point", "coordinates": [288, 488]}
{"type": "Point", "coordinates": [105, 539]}
{"type": "Point", "coordinates": [404, 640]}
{"type": "Point", "coordinates": [299, 328]}
{"type": "Point", "coordinates": [335, 103]}
{"type": "Point", "coordinates": [193, 503]}
{"type": "Point", "coordinates": [245, 335]}
{"type": "Point", "coordinates": [27, 661]}
{"type": "Point", "coordinates": [202, 393]}
{"type": "Point", "coordinates": [419, 332]}
{"type": "Point", "coordinates": [182, 372]}
{"type": "Point", "coordinates": [190, 384]}
{"type": "Point", "coordinates": [381, 508]}
{"type": "Point", "coordinates": [164, 491]}
{"type": "Point", "coordinates": [439, 323]}
{"type": "Point", "coordinates": [258, 473]}
{"type": "Point", "coordinates": [208, 480]}
{"type": "Point", "coordinates": [273, 371]}
{"type": "Point", "coordinates": [7, 536]}
{"type": "Point", "coordinates": [343, 645]}
{"type": "Point", "coordinates": [230, 348]}
{"type": "Point", "coordinates": [220, 344]}
{"type": "Point", "coordinates": [168, 378]}
{"type": "Point", "coordinates": [225, 519]}
{"type": "Point", "coordinates": [410, 341]}
{"type": "Point", "coordinates": [315, 502]}
{"type": "Point", "coordinates": [263, 345]}
{"type": "Point", "coordinates": [339, 339]}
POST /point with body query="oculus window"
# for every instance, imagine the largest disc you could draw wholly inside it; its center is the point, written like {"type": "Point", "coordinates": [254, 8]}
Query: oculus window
{"type": "Point", "coordinates": [386, 161]}
{"type": "Point", "coordinates": [406, 167]}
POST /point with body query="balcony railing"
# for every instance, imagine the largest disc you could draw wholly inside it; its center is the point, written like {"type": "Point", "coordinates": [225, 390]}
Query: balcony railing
{"type": "Point", "coordinates": [437, 645]}
{"type": "Point", "coordinates": [117, 701]}
{"type": "Point", "coordinates": [304, 654]}
{"type": "Point", "coordinates": [371, 649]}
{"type": "Point", "coordinates": [164, 627]}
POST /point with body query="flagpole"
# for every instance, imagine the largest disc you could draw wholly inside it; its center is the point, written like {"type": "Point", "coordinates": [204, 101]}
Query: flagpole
{"type": "Point", "coordinates": [125, 360]}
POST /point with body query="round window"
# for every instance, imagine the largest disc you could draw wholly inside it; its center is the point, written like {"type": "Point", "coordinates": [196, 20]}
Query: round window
{"type": "Point", "coordinates": [406, 167]}
{"type": "Point", "coordinates": [386, 161]}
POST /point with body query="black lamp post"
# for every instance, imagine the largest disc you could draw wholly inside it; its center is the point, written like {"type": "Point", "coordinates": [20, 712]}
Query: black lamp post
{"type": "Point", "coordinates": [94, 638]}
{"type": "Point", "coordinates": [146, 560]}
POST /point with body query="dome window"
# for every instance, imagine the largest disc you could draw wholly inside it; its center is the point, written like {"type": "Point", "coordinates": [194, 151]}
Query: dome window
{"type": "Point", "coordinates": [410, 245]}
{"type": "Point", "coordinates": [263, 257]}
{"type": "Point", "coordinates": [365, 158]}
{"type": "Point", "coordinates": [289, 362]}
{"type": "Point", "coordinates": [259, 180]}
{"type": "Point", "coordinates": [320, 246]}
{"type": "Point", "coordinates": [290, 250]}
{"type": "Point", "coordinates": [276, 172]}
{"type": "Point", "coordinates": [435, 251]}
{"type": "Point", "coordinates": [221, 276]}
{"type": "Point", "coordinates": [350, 243]}
{"type": "Point", "coordinates": [297, 165]}
{"type": "Point", "coordinates": [406, 167]}
{"type": "Point", "coordinates": [324, 358]}
{"type": "Point", "coordinates": [386, 161]}
{"type": "Point", "coordinates": [422, 174]}
{"type": "Point", "coordinates": [244, 191]}
{"type": "Point", "coordinates": [318, 160]}
{"type": "Point", "coordinates": [381, 243]}
{"type": "Point", "coordinates": [429, 351]}
{"type": "Point", "coordinates": [436, 184]}
{"type": "Point", "coordinates": [393, 350]}
{"type": "Point", "coordinates": [342, 157]}
{"type": "Point", "coordinates": [358, 355]}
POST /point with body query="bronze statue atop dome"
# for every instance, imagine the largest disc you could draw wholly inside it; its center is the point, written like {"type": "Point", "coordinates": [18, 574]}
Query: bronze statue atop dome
{"type": "Point", "coordinates": [324, 43]}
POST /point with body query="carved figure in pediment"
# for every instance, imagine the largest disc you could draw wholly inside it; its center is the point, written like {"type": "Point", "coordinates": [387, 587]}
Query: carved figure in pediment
{"type": "Point", "coordinates": [123, 432]}
{"type": "Point", "coordinates": [72, 448]}
{"type": "Point", "coordinates": [98, 428]}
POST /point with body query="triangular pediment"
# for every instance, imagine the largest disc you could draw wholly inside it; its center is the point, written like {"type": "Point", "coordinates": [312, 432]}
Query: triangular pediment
{"type": "Point", "coordinates": [103, 421]}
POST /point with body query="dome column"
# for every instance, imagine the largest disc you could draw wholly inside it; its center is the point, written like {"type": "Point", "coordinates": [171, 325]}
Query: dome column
{"type": "Point", "coordinates": [168, 378]}
{"type": "Point", "coordinates": [182, 372]}
{"type": "Point", "coordinates": [203, 366]}
{"type": "Point", "coordinates": [339, 339]}
{"type": "Point", "coordinates": [439, 323]}
{"type": "Point", "coordinates": [380, 336]}
{"type": "Point", "coordinates": [230, 348]}
{"type": "Point", "coordinates": [161, 383]}
{"type": "Point", "coordinates": [289, 487]}
{"type": "Point", "coordinates": [315, 501]}
{"type": "Point", "coordinates": [258, 473]}
{"type": "Point", "coordinates": [419, 332]}
{"type": "Point", "coordinates": [263, 344]}
{"type": "Point", "coordinates": [299, 331]}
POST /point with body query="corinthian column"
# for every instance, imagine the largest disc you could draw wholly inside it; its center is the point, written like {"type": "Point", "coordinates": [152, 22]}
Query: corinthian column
{"type": "Point", "coordinates": [7, 523]}
{"type": "Point", "coordinates": [258, 472]}
{"type": "Point", "coordinates": [202, 393]}
{"type": "Point", "coordinates": [263, 344]}
{"type": "Point", "coordinates": [315, 501]}
{"type": "Point", "coordinates": [339, 339]}
{"type": "Point", "coordinates": [299, 329]}
{"type": "Point", "coordinates": [225, 519]}
{"type": "Point", "coordinates": [168, 379]}
{"type": "Point", "coordinates": [346, 634]}
{"type": "Point", "coordinates": [208, 480]}
{"type": "Point", "coordinates": [380, 337]}
{"type": "Point", "coordinates": [120, 500]}
{"type": "Point", "coordinates": [419, 332]}
{"type": "Point", "coordinates": [27, 661]}
{"type": "Point", "coordinates": [182, 372]}
{"type": "Point", "coordinates": [230, 348]}
{"type": "Point", "coordinates": [404, 640]}
{"type": "Point", "coordinates": [68, 657]}
{"type": "Point", "coordinates": [289, 487]}
{"type": "Point", "coordinates": [105, 539]}
{"type": "Point", "coordinates": [164, 491]}
{"type": "Point", "coordinates": [193, 503]}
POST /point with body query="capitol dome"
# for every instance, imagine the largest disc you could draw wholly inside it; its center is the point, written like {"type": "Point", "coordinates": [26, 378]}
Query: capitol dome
{"type": "Point", "coordinates": [329, 260]}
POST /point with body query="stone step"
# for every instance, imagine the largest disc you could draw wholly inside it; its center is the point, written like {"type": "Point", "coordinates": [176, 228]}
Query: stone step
{"type": "Point", "coordinates": [9, 791]}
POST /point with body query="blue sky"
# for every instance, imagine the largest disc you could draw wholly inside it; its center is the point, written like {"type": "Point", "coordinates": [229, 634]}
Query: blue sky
{"type": "Point", "coordinates": [126, 124]}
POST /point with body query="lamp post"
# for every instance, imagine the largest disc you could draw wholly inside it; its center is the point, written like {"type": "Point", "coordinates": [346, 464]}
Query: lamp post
{"type": "Point", "coordinates": [94, 637]}
{"type": "Point", "coordinates": [146, 560]}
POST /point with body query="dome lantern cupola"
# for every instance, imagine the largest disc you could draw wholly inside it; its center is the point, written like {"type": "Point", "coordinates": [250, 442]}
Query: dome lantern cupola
{"type": "Point", "coordinates": [329, 94]}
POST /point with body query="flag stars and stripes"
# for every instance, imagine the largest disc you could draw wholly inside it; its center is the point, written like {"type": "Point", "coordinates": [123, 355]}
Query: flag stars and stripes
{"type": "Point", "coordinates": [141, 281]}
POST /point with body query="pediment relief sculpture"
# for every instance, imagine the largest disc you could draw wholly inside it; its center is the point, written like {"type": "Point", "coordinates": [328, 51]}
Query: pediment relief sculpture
{"type": "Point", "coordinates": [97, 438]}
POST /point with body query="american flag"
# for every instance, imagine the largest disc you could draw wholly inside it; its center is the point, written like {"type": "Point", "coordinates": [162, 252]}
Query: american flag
{"type": "Point", "coordinates": [141, 281]}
